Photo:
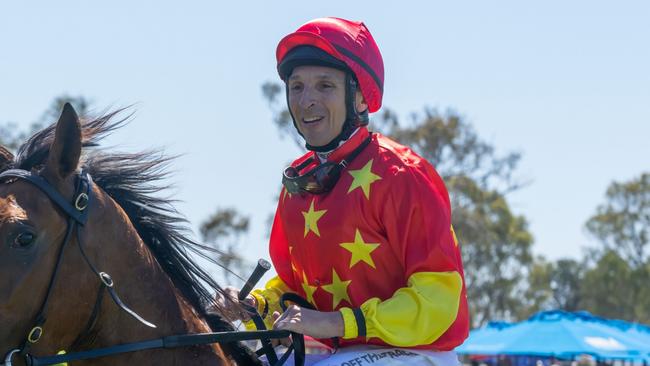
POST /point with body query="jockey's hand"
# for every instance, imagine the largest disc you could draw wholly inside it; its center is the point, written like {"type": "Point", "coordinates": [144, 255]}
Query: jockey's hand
{"type": "Point", "coordinates": [317, 324]}
{"type": "Point", "coordinates": [275, 341]}
{"type": "Point", "coordinates": [231, 306]}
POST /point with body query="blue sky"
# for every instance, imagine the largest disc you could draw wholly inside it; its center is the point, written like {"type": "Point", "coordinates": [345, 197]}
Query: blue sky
{"type": "Point", "coordinates": [567, 84]}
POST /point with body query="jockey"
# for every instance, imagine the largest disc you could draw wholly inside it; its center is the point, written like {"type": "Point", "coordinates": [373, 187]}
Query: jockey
{"type": "Point", "coordinates": [363, 227]}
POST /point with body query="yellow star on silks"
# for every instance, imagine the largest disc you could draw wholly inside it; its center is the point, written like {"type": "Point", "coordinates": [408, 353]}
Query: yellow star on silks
{"type": "Point", "coordinates": [293, 266]}
{"type": "Point", "coordinates": [363, 178]}
{"type": "Point", "coordinates": [309, 290]}
{"type": "Point", "coordinates": [338, 289]}
{"type": "Point", "coordinates": [311, 219]}
{"type": "Point", "coordinates": [360, 250]}
{"type": "Point", "coordinates": [453, 234]}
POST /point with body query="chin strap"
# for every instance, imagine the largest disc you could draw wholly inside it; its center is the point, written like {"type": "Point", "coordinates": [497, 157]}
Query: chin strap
{"type": "Point", "coordinates": [345, 134]}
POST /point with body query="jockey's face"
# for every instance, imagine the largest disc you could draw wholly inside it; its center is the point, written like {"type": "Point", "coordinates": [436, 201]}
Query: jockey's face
{"type": "Point", "coordinates": [317, 102]}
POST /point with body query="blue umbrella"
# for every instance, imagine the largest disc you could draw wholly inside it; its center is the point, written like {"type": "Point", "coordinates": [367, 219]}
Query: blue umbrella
{"type": "Point", "coordinates": [637, 331]}
{"type": "Point", "coordinates": [481, 340]}
{"type": "Point", "coordinates": [557, 334]}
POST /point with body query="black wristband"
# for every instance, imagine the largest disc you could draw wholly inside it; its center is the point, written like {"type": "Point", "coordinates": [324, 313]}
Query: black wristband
{"type": "Point", "coordinates": [361, 321]}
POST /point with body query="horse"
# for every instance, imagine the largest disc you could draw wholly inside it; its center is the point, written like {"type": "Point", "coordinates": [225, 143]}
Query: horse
{"type": "Point", "coordinates": [126, 240]}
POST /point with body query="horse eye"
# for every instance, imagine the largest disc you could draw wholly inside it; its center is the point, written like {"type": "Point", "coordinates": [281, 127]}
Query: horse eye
{"type": "Point", "coordinates": [24, 239]}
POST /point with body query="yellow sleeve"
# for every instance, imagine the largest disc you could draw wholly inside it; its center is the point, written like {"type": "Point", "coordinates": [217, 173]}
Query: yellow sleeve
{"type": "Point", "coordinates": [268, 300]}
{"type": "Point", "coordinates": [415, 315]}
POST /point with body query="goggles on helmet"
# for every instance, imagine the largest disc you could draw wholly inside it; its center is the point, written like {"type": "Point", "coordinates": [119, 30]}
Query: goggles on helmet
{"type": "Point", "coordinates": [320, 179]}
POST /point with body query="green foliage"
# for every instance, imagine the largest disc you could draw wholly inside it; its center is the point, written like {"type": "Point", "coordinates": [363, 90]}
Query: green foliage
{"type": "Point", "coordinates": [538, 295]}
{"type": "Point", "coordinates": [454, 148]}
{"type": "Point", "coordinates": [495, 247]}
{"type": "Point", "coordinates": [223, 231]}
{"type": "Point", "coordinates": [554, 285]}
{"type": "Point", "coordinates": [495, 242]}
{"type": "Point", "coordinates": [622, 224]}
{"type": "Point", "coordinates": [275, 95]}
{"type": "Point", "coordinates": [617, 284]}
{"type": "Point", "coordinates": [612, 280]}
{"type": "Point", "coordinates": [224, 223]}
{"type": "Point", "coordinates": [614, 289]}
{"type": "Point", "coordinates": [567, 282]}
{"type": "Point", "coordinates": [11, 136]}
{"type": "Point", "coordinates": [51, 114]}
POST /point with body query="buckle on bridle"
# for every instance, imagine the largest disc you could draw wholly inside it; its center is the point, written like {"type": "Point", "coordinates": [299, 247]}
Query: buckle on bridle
{"type": "Point", "coordinates": [35, 334]}
{"type": "Point", "coordinates": [106, 279]}
{"type": "Point", "coordinates": [81, 202]}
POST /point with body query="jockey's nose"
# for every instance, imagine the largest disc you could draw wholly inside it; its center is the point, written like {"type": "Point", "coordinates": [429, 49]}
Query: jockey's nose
{"type": "Point", "coordinates": [307, 98]}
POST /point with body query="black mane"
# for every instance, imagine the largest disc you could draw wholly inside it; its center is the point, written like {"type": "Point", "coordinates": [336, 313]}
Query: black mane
{"type": "Point", "coordinates": [134, 182]}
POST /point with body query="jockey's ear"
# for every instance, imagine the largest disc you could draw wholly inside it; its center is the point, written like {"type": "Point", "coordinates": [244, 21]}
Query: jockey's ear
{"type": "Point", "coordinates": [6, 158]}
{"type": "Point", "coordinates": [360, 102]}
{"type": "Point", "coordinates": [65, 151]}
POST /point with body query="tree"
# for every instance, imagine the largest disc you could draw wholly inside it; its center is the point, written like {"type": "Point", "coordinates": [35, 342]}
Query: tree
{"type": "Point", "coordinates": [496, 250]}
{"type": "Point", "coordinates": [538, 295]}
{"type": "Point", "coordinates": [11, 136]}
{"type": "Point", "coordinates": [223, 230]}
{"type": "Point", "coordinates": [617, 284]}
{"type": "Point", "coordinates": [454, 148]}
{"type": "Point", "coordinates": [272, 92]}
{"type": "Point", "coordinates": [622, 223]}
{"type": "Point", "coordinates": [554, 285]}
{"type": "Point", "coordinates": [81, 105]}
{"type": "Point", "coordinates": [614, 289]}
{"type": "Point", "coordinates": [567, 282]}
{"type": "Point", "coordinates": [495, 242]}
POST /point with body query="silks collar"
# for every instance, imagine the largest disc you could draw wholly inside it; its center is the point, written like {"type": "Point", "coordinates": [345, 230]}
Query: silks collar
{"type": "Point", "coordinates": [348, 146]}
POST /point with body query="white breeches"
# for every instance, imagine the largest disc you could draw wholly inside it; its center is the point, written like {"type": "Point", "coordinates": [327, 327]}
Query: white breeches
{"type": "Point", "coordinates": [379, 356]}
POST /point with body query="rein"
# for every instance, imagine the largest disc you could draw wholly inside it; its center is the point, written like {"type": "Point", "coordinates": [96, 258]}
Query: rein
{"type": "Point", "coordinates": [168, 342]}
{"type": "Point", "coordinates": [77, 216]}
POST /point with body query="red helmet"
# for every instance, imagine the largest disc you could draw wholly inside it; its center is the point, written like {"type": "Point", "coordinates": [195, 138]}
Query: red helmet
{"type": "Point", "coordinates": [347, 41]}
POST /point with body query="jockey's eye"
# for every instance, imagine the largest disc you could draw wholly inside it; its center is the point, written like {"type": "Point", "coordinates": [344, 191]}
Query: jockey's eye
{"type": "Point", "coordinates": [326, 85]}
{"type": "Point", "coordinates": [295, 87]}
{"type": "Point", "coordinates": [24, 239]}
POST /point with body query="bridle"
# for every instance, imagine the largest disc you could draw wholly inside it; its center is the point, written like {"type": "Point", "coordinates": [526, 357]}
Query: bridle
{"type": "Point", "coordinates": [77, 216]}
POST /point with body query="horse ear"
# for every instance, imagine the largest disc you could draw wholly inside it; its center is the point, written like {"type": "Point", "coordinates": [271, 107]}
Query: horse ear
{"type": "Point", "coordinates": [6, 158]}
{"type": "Point", "coordinates": [66, 150]}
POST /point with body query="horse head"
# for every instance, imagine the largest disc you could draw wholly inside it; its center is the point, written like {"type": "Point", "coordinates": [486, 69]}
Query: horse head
{"type": "Point", "coordinates": [33, 230]}
{"type": "Point", "coordinates": [60, 256]}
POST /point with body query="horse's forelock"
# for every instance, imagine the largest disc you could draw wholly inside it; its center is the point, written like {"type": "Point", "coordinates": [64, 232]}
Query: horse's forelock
{"type": "Point", "coordinates": [10, 210]}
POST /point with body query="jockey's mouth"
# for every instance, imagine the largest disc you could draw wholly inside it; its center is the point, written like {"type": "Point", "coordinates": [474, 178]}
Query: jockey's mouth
{"type": "Point", "coordinates": [310, 120]}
